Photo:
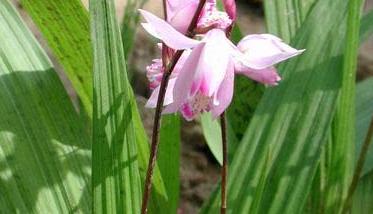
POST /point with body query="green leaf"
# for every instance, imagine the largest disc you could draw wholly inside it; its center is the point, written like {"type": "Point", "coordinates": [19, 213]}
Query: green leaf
{"type": "Point", "coordinates": [341, 164]}
{"type": "Point", "coordinates": [363, 197]}
{"type": "Point", "coordinates": [115, 172]}
{"type": "Point", "coordinates": [65, 26]}
{"type": "Point", "coordinates": [364, 114]}
{"type": "Point", "coordinates": [130, 23]}
{"type": "Point", "coordinates": [45, 156]}
{"type": "Point", "coordinates": [212, 133]}
{"type": "Point", "coordinates": [284, 17]}
{"type": "Point", "coordinates": [366, 28]}
{"type": "Point", "coordinates": [169, 161]}
{"type": "Point", "coordinates": [292, 120]}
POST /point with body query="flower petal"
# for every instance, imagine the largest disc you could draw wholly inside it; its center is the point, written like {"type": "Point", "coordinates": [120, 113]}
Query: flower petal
{"type": "Point", "coordinates": [225, 93]}
{"type": "Point", "coordinates": [267, 76]}
{"type": "Point", "coordinates": [180, 17]}
{"type": "Point", "coordinates": [165, 32]}
{"type": "Point", "coordinates": [215, 59]}
{"type": "Point", "coordinates": [152, 101]}
{"type": "Point", "coordinates": [185, 79]}
{"type": "Point", "coordinates": [264, 50]}
{"type": "Point", "coordinates": [230, 8]}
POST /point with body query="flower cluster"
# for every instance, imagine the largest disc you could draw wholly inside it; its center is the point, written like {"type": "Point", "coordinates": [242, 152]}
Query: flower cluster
{"type": "Point", "coordinates": [203, 78]}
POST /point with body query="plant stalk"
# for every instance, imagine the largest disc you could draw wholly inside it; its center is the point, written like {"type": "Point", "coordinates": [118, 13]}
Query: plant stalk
{"type": "Point", "coordinates": [224, 169]}
{"type": "Point", "coordinates": [358, 169]}
{"type": "Point", "coordinates": [158, 111]}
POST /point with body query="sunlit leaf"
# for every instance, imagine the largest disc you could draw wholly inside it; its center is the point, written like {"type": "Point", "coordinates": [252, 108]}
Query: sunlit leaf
{"type": "Point", "coordinates": [65, 26]}
{"type": "Point", "coordinates": [115, 172]}
{"type": "Point", "coordinates": [291, 122]}
{"type": "Point", "coordinates": [45, 153]}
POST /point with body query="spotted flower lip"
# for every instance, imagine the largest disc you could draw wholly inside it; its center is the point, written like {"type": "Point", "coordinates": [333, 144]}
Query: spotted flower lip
{"type": "Point", "coordinates": [204, 80]}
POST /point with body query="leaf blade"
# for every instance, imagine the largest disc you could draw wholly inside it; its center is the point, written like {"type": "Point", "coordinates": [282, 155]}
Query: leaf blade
{"type": "Point", "coordinates": [44, 147]}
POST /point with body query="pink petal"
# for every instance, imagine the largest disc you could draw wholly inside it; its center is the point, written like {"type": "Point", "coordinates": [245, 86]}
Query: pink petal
{"type": "Point", "coordinates": [225, 93]}
{"type": "Point", "coordinates": [215, 59]}
{"type": "Point", "coordinates": [152, 101]}
{"type": "Point", "coordinates": [165, 32]}
{"type": "Point", "coordinates": [230, 8]}
{"type": "Point", "coordinates": [264, 50]}
{"type": "Point", "coordinates": [267, 76]}
{"type": "Point", "coordinates": [185, 79]}
{"type": "Point", "coordinates": [181, 16]}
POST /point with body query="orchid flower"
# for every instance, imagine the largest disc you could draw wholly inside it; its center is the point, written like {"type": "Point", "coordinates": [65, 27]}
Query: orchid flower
{"type": "Point", "coordinates": [204, 77]}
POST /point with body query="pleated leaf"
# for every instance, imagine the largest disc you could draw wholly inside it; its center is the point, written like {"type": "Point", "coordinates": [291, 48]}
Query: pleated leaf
{"type": "Point", "coordinates": [45, 153]}
{"type": "Point", "coordinates": [169, 161]}
{"type": "Point", "coordinates": [340, 167]}
{"type": "Point", "coordinates": [115, 172]}
{"type": "Point", "coordinates": [363, 197]}
{"type": "Point", "coordinates": [366, 29]}
{"type": "Point", "coordinates": [291, 122]}
{"type": "Point", "coordinates": [130, 23]}
{"type": "Point", "coordinates": [364, 114]}
{"type": "Point", "coordinates": [65, 26]}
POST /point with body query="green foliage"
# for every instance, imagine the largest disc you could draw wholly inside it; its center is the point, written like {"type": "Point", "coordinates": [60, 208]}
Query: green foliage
{"type": "Point", "coordinates": [291, 122]}
{"type": "Point", "coordinates": [45, 151]}
{"type": "Point", "coordinates": [366, 29]}
{"type": "Point", "coordinates": [169, 161]}
{"type": "Point", "coordinates": [130, 23]}
{"type": "Point", "coordinates": [341, 163]}
{"type": "Point", "coordinates": [115, 174]}
{"type": "Point", "coordinates": [364, 114]}
{"type": "Point", "coordinates": [65, 26]}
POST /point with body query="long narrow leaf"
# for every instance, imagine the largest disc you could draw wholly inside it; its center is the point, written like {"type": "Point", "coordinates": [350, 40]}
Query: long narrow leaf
{"type": "Point", "coordinates": [44, 149]}
{"type": "Point", "coordinates": [366, 29]}
{"type": "Point", "coordinates": [130, 23]}
{"type": "Point", "coordinates": [341, 164]}
{"type": "Point", "coordinates": [65, 26]}
{"type": "Point", "coordinates": [364, 114]}
{"type": "Point", "coordinates": [169, 161]}
{"type": "Point", "coordinates": [115, 174]}
{"type": "Point", "coordinates": [291, 122]}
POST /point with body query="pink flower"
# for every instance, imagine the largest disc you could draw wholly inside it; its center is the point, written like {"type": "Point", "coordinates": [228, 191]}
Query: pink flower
{"type": "Point", "coordinates": [205, 76]}
{"type": "Point", "coordinates": [180, 12]}
{"type": "Point", "coordinates": [230, 8]}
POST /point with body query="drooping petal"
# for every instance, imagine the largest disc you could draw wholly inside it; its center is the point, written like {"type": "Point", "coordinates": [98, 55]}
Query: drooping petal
{"type": "Point", "coordinates": [181, 16]}
{"type": "Point", "coordinates": [165, 32]}
{"type": "Point", "coordinates": [215, 59]}
{"type": "Point", "coordinates": [230, 8]}
{"type": "Point", "coordinates": [185, 79]}
{"type": "Point", "coordinates": [152, 101]}
{"type": "Point", "coordinates": [264, 50]}
{"type": "Point", "coordinates": [267, 76]}
{"type": "Point", "coordinates": [225, 93]}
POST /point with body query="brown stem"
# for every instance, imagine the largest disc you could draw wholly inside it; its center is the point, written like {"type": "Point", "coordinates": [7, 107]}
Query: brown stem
{"type": "Point", "coordinates": [224, 169]}
{"type": "Point", "coordinates": [358, 169]}
{"type": "Point", "coordinates": [165, 9]}
{"type": "Point", "coordinates": [158, 111]}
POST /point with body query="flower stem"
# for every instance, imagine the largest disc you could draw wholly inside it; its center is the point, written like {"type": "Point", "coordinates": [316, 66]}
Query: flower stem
{"type": "Point", "coordinates": [158, 111]}
{"type": "Point", "coordinates": [224, 169]}
{"type": "Point", "coordinates": [165, 9]}
{"type": "Point", "coordinates": [358, 169]}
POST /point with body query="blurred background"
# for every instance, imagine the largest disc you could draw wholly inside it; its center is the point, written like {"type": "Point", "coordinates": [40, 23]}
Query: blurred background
{"type": "Point", "coordinates": [199, 170]}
